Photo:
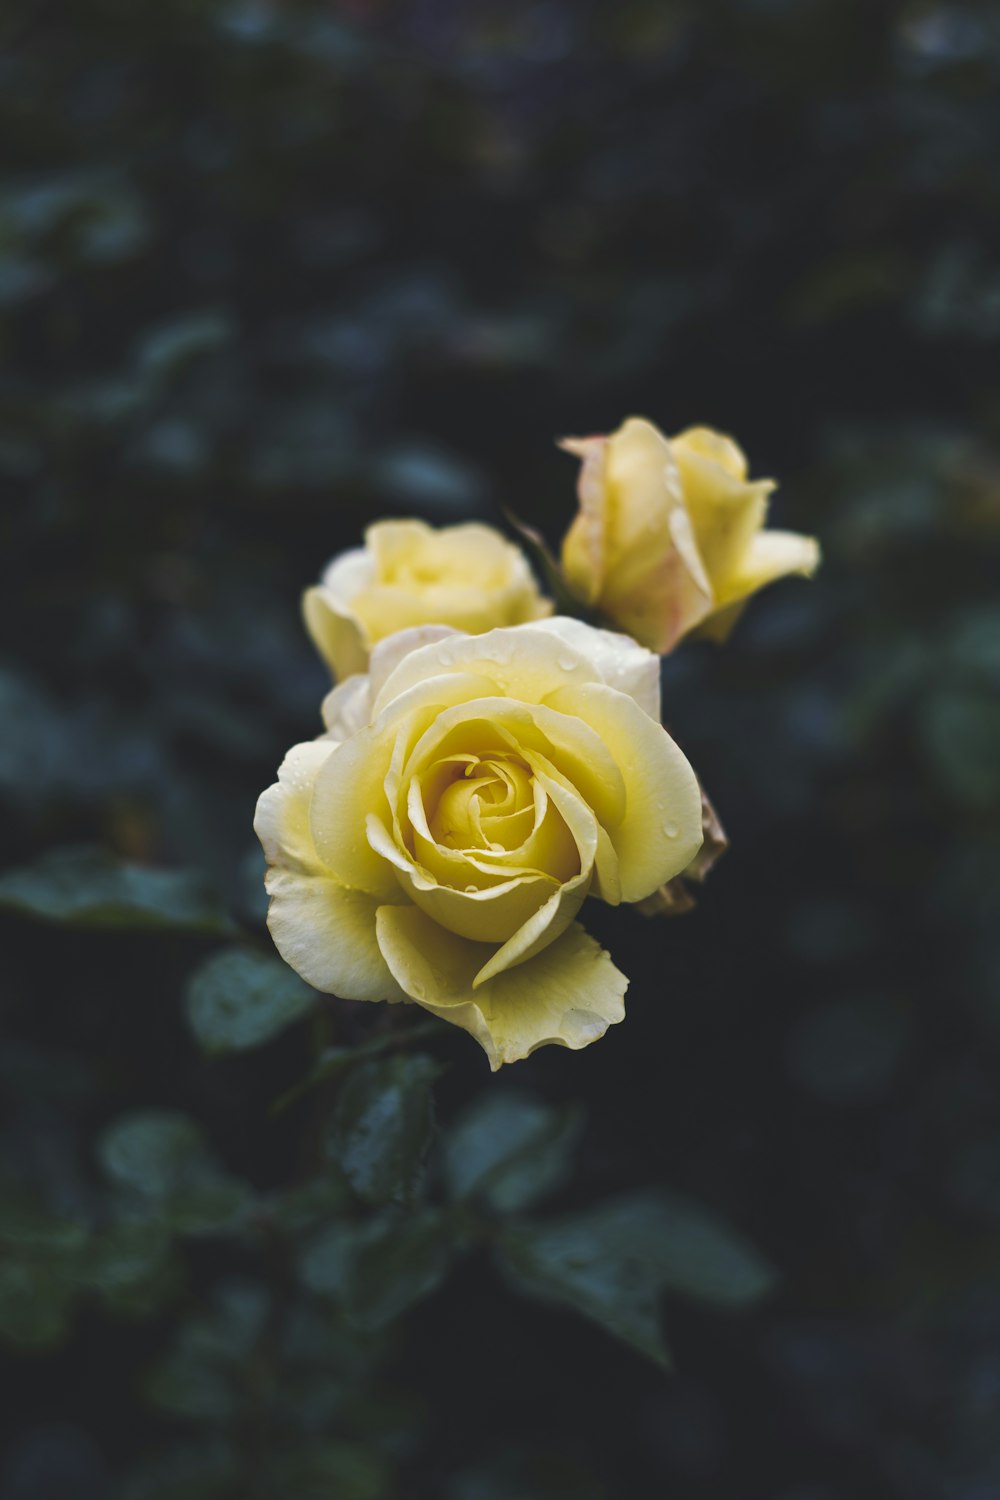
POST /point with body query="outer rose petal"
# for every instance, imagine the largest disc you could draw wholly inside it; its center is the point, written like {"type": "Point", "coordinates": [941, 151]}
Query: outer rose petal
{"type": "Point", "coordinates": [346, 709]}
{"type": "Point", "coordinates": [524, 664]}
{"type": "Point", "coordinates": [387, 654]}
{"type": "Point", "coordinates": [570, 993]}
{"type": "Point", "coordinates": [771, 555]}
{"type": "Point", "coordinates": [282, 818]}
{"type": "Point", "coordinates": [621, 661]}
{"type": "Point", "coordinates": [326, 933]}
{"type": "Point", "coordinates": [336, 631]}
{"type": "Point", "coordinates": [726, 510]}
{"type": "Point", "coordinates": [661, 831]}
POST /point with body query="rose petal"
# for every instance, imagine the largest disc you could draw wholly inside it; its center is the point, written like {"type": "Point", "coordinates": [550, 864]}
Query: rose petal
{"type": "Point", "coordinates": [566, 738]}
{"type": "Point", "coordinates": [327, 934]}
{"type": "Point", "coordinates": [661, 830]}
{"type": "Point", "coordinates": [568, 994]}
{"type": "Point", "coordinates": [335, 629]}
{"type": "Point", "coordinates": [388, 653]}
{"type": "Point", "coordinates": [352, 783]}
{"type": "Point", "coordinates": [650, 579]}
{"type": "Point", "coordinates": [281, 821]}
{"type": "Point", "coordinates": [490, 914]}
{"type": "Point", "coordinates": [725, 510]}
{"type": "Point", "coordinates": [621, 662]}
{"type": "Point", "coordinates": [524, 663]}
{"type": "Point", "coordinates": [347, 707]}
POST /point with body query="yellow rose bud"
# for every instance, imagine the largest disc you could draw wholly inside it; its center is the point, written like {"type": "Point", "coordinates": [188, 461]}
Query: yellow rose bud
{"type": "Point", "coordinates": [407, 574]}
{"type": "Point", "coordinates": [670, 533]}
{"type": "Point", "coordinates": [438, 842]}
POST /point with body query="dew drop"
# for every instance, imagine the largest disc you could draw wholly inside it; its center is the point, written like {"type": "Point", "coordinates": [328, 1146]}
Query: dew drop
{"type": "Point", "coordinates": [670, 830]}
{"type": "Point", "coordinates": [470, 890]}
{"type": "Point", "coordinates": [567, 664]}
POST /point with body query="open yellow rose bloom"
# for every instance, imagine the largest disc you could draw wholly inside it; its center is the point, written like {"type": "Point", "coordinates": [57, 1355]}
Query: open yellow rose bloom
{"type": "Point", "coordinates": [437, 843]}
{"type": "Point", "coordinates": [670, 533]}
{"type": "Point", "coordinates": [409, 573]}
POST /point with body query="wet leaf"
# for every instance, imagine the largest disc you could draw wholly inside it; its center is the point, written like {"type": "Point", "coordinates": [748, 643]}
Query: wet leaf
{"type": "Point", "coordinates": [510, 1150]}
{"type": "Point", "coordinates": [88, 887]}
{"type": "Point", "coordinates": [614, 1263]}
{"type": "Point", "coordinates": [240, 999]}
{"type": "Point", "coordinates": [382, 1127]}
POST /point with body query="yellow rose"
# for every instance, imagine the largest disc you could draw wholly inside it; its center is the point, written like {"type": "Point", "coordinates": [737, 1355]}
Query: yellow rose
{"type": "Point", "coordinates": [409, 574]}
{"type": "Point", "coordinates": [438, 842]}
{"type": "Point", "coordinates": [670, 533]}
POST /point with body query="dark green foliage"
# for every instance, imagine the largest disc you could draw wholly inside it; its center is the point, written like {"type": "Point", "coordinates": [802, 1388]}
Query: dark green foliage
{"type": "Point", "coordinates": [382, 1127]}
{"type": "Point", "coordinates": [89, 888]}
{"type": "Point", "coordinates": [159, 1160]}
{"type": "Point", "coordinates": [240, 999]}
{"type": "Point", "coordinates": [508, 1150]}
{"type": "Point", "coordinates": [378, 1269]}
{"type": "Point", "coordinates": [614, 1262]}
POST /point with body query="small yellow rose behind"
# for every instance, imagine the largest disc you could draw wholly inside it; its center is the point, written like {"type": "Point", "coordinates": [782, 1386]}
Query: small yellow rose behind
{"type": "Point", "coordinates": [409, 573]}
{"type": "Point", "coordinates": [437, 843]}
{"type": "Point", "coordinates": [670, 533]}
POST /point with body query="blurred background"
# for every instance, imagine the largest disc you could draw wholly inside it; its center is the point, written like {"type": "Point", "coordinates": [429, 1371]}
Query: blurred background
{"type": "Point", "coordinates": [269, 271]}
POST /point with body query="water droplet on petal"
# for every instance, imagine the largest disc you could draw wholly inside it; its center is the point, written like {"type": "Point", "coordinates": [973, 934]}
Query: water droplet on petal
{"type": "Point", "coordinates": [470, 890]}
{"type": "Point", "coordinates": [568, 663]}
{"type": "Point", "coordinates": [670, 830]}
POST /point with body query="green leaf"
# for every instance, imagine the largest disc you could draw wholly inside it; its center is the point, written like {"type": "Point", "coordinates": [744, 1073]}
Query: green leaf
{"type": "Point", "coordinates": [327, 1262]}
{"type": "Point", "coordinates": [510, 1150]}
{"type": "Point", "coordinates": [345, 1470]}
{"type": "Point", "coordinates": [234, 1324]}
{"type": "Point", "coordinates": [307, 1205]}
{"type": "Point", "coordinates": [155, 1152]}
{"type": "Point", "coordinates": [960, 731]}
{"type": "Point", "coordinates": [239, 999]}
{"type": "Point", "coordinates": [527, 1473]}
{"type": "Point", "coordinates": [43, 1263]}
{"type": "Point", "coordinates": [188, 1472]}
{"type": "Point", "coordinates": [161, 1160]}
{"type": "Point", "coordinates": [334, 1060]}
{"type": "Point", "coordinates": [88, 887]}
{"type": "Point", "coordinates": [216, 1206]}
{"type": "Point", "coordinates": [405, 1259]}
{"type": "Point", "coordinates": [35, 1304]}
{"type": "Point", "coordinates": [378, 1269]}
{"type": "Point", "coordinates": [28, 1231]}
{"type": "Point", "coordinates": [613, 1263]}
{"type": "Point", "coordinates": [168, 350]}
{"type": "Point", "coordinates": [130, 1266]}
{"type": "Point", "coordinates": [209, 1374]}
{"type": "Point", "coordinates": [187, 1388]}
{"type": "Point", "coordinates": [383, 1125]}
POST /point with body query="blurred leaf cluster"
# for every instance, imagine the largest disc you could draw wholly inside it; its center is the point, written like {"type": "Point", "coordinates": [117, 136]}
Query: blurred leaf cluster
{"type": "Point", "coordinates": [268, 271]}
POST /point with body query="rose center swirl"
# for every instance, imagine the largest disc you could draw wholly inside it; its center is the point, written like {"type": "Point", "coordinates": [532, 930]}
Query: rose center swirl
{"type": "Point", "coordinates": [483, 804]}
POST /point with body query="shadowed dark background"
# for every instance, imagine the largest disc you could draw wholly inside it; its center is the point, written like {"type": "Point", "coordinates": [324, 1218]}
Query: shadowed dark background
{"type": "Point", "coordinates": [270, 271]}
